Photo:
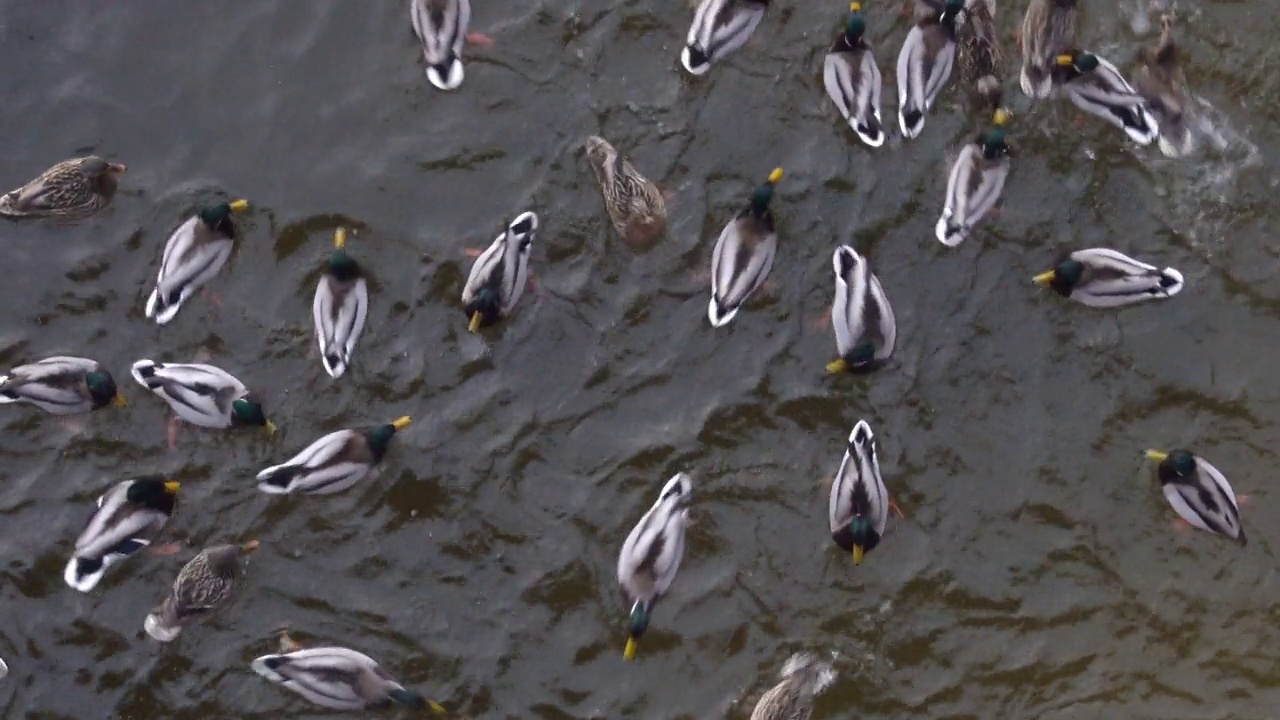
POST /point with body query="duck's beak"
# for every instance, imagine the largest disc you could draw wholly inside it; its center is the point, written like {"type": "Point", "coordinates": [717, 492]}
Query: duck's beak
{"type": "Point", "coordinates": [837, 366]}
{"type": "Point", "coordinates": [120, 401]}
{"type": "Point", "coordinates": [172, 486]}
{"type": "Point", "coordinates": [402, 423]}
{"type": "Point", "coordinates": [1156, 455]}
{"type": "Point", "coordinates": [474, 325]}
{"type": "Point", "coordinates": [251, 546]}
{"type": "Point", "coordinates": [437, 708]}
{"type": "Point", "coordinates": [269, 428]}
{"type": "Point", "coordinates": [340, 238]}
{"type": "Point", "coordinates": [118, 168]}
{"type": "Point", "coordinates": [1064, 61]}
{"type": "Point", "coordinates": [239, 205]}
{"type": "Point", "coordinates": [1044, 278]}
{"type": "Point", "coordinates": [629, 653]}
{"type": "Point", "coordinates": [857, 554]}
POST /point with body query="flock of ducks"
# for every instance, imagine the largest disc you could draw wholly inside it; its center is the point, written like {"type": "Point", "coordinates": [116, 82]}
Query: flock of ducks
{"type": "Point", "coordinates": [130, 516]}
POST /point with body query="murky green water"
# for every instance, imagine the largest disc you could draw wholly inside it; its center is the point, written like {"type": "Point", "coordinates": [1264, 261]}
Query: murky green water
{"type": "Point", "coordinates": [1036, 574]}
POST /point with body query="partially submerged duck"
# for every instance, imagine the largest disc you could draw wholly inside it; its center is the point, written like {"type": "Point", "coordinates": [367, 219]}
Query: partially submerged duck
{"type": "Point", "coordinates": [202, 394]}
{"type": "Point", "coordinates": [925, 63]}
{"type": "Point", "coordinates": [1159, 79]}
{"type": "Point", "coordinates": [634, 204]}
{"type": "Point", "coordinates": [859, 506]}
{"type": "Point", "coordinates": [974, 183]}
{"type": "Point", "coordinates": [719, 27]}
{"type": "Point", "coordinates": [853, 81]}
{"type": "Point", "coordinates": [340, 307]}
{"type": "Point", "coordinates": [803, 676]}
{"type": "Point", "coordinates": [61, 385]}
{"type": "Point", "coordinates": [202, 586]}
{"type": "Point", "coordinates": [1097, 87]}
{"type": "Point", "coordinates": [743, 255]}
{"type": "Point", "coordinates": [1100, 277]}
{"type": "Point", "coordinates": [1199, 493]}
{"type": "Point", "coordinates": [71, 189]}
{"type": "Point", "coordinates": [336, 677]}
{"type": "Point", "coordinates": [128, 518]}
{"type": "Point", "coordinates": [333, 463]}
{"type": "Point", "coordinates": [651, 555]}
{"type": "Point", "coordinates": [441, 27]}
{"type": "Point", "coordinates": [499, 275]}
{"type": "Point", "coordinates": [861, 315]}
{"type": "Point", "coordinates": [194, 253]}
{"type": "Point", "coordinates": [1048, 30]}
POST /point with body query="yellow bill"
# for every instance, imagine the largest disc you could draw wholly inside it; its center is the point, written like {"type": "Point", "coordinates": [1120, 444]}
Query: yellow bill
{"type": "Point", "coordinates": [776, 175]}
{"type": "Point", "coordinates": [269, 428]}
{"type": "Point", "coordinates": [1001, 117]}
{"type": "Point", "coordinates": [474, 326]}
{"type": "Point", "coordinates": [855, 7]}
{"type": "Point", "coordinates": [1044, 278]}
{"type": "Point", "coordinates": [857, 554]}
{"type": "Point", "coordinates": [630, 652]}
{"type": "Point", "coordinates": [401, 423]}
{"type": "Point", "coordinates": [120, 401]}
{"type": "Point", "coordinates": [437, 708]}
{"type": "Point", "coordinates": [250, 546]}
{"type": "Point", "coordinates": [239, 205]}
{"type": "Point", "coordinates": [837, 366]}
{"type": "Point", "coordinates": [1064, 60]}
{"type": "Point", "coordinates": [340, 238]}
{"type": "Point", "coordinates": [1156, 455]}
{"type": "Point", "coordinates": [172, 486]}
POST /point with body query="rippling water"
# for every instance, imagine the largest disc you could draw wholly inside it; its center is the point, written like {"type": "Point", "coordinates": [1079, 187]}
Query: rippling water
{"type": "Point", "coordinates": [1036, 573]}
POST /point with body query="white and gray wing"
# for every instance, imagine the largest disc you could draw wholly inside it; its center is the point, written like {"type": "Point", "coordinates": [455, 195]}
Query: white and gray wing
{"type": "Point", "coordinates": [325, 676]}
{"type": "Point", "coordinates": [848, 309]}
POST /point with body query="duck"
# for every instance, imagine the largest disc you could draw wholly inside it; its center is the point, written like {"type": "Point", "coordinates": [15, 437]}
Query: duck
{"type": "Point", "coordinates": [338, 678]}
{"type": "Point", "coordinates": [861, 315]}
{"type": "Point", "coordinates": [852, 79]}
{"type": "Point", "coordinates": [202, 395]}
{"type": "Point", "coordinates": [743, 255]}
{"type": "Point", "coordinates": [194, 253]}
{"type": "Point", "coordinates": [333, 463]}
{"type": "Point", "coordinates": [72, 189]}
{"type": "Point", "coordinates": [1048, 30]}
{"type": "Point", "coordinates": [1199, 493]}
{"type": "Point", "coordinates": [1097, 87]}
{"type": "Point", "coordinates": [340, 307]}
{"type": "Point", "coordinates": [203, 585]}
{"type": "Point", "coordinates": [803, 677]}
{"type": "Point", "coordinates": [1101, 277]}
{"type": "Point", "coordinates": [635, 205]}
{"type": "Point", "coordinates": [975, 182]}
{"type": "Point", "coordinates": [499, 275]}
{"type": "Point", "coordinates": [1160, 81]}
{"type": "Point", "coordinates": [719, 27]}
{"type": "Point", "coordinates": [978, 50]}
{"type": "Point", "coordinates": [128, 518]}
{"type": "Point", "coordinates": [651, 555]}
{"type": "Point", "coordinates": [61, 385]}
{"type": "Point", "coordinates": [859, 505]}
{"type": "Point", "coordinates": [441, 26]}
{"type": "Point", "coordinates": [925, 62]}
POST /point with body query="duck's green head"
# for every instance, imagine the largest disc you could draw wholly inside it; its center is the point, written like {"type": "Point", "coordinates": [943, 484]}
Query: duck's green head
{"type": "Point", "coordinates": [218, 217]}
{"type": "Point", "coordinates": [861, 532]}
{"type": "Point", "coordinates": [484, 310]}
{"type": "Point", "coordinates": [635, 629]}
{"type": "Point", "coordinates": [248, 412]}
{"type": "Point", "coordinates": [993, 143]}
{"type": "Point", "coordinates": [1062, 278]}
{"type": "Point", "coordinates": [102, 388]}
{"type": "Point", "coordinates": [763, 194]}
{"type": "Point", "coordinates": [414, 699]}
{"type": "Point", "coordinates": [153, 492]}
{"type": "Point", "coordinates": [1174, 466]}
{"type": "Point", "coordinates": [380, 436]}
{"type": "Point", "coordinates": [1082, 62]}
{"type": "Point", "coordinates": [861, 356]}
{"type": "Point", "coordinates": [341, 265]}
{"type": "Point", "coordinates": [857, 24]}
{"type": "Point", "coordinates": [952, 9]}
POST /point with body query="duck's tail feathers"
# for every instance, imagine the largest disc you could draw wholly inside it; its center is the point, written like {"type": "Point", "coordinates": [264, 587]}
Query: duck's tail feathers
{"type": "Point", "coordinates": [84, 573]}
{"type": "Point", "coordinates": [815, 673]}
{"type": "Point", "coordinates": [989, 88]}
{"type": "Point", "coordinates": [719, 316]}
{"type": "Point", "coordinates": [4, 397]}
{"type": "Point", "coordinates": [334, 364]}
{"type": "Point", "coordinates": [276, 479]}
{"type": "Point", "coordinates": [266, 667]}
{"type": "Point", "coordinates": [871, 131]}
{"type": "Point", "coordinates": [694, 60]}
{"type": "Point", "coordinates": [1170, 281]}
{"type": "Point", "coordinates": [448, 75]}
{"type": "Point", "coordinates": [949, 233]}
{"type": "Point", "coordinates": [160, 629]}
{"type": "Point", "coordinates": [911, 122]}
{"type": "Point", "coordinates": [1035, 83]}
{"type": "Point", "coordinates": [144, 372]}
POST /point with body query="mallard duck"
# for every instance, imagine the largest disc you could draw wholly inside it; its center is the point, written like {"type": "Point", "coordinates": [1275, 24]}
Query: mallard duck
{"type": "Point", "coordinates": [337, 678]}
{"type": "Point", "coordinates": [202, 394]}
{"type": "Point", "coordinates": [975, 183]}
{"type": "Point", "coordinates": [719, 27]}
{"type": "Point", "coordinates": [129, 516]}
{"type": "Point", "coordinates": [979, 51]}
{"type": "Point", "coordinates": [1097, 87]}
{"type": "Point", "coordinates": [861, 315]}
{"type": "Point", "coordinates": [441, 26]}
{"type": "Point", "coordinates": [1160, 81]}
{"type": "Point", "coordinates": [634, 204]}
{"type": "Point", "coordinates": [340, 307]}
{"type": "Point", "coordinates": [333, 463]}
{"type": "Point", "coordinates": [61, 385]}
{"type": "Point", "coordinates": [1099, 277]}
{"type": "Point", "coordinates": [744, 254]}
{"type": "Point", "coordinates": [852, 79]}
{"type": "Point", "coordinates": [859, 507]}
{"type": "Point", "coordinates": [73, 188]}
{"type": "Point", "coordinates": [194, 253]}
{"type": "Point", "coordinates": [203, 585]}
{"type": "Point", "coordinates": [803, 677]}
{"type": "Point", "coordinates": [4, 669]}
{"type": "Point", "coordinates": [924, 64]}
{"type": "Point", "coordinates": [1048, 30]}
{"type": "Point", "coordinates": [651, 555]}
{"type": "Point", "coordinates": [499, 275]}
{"type": "Point", "coordinates": [1199, 493]}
